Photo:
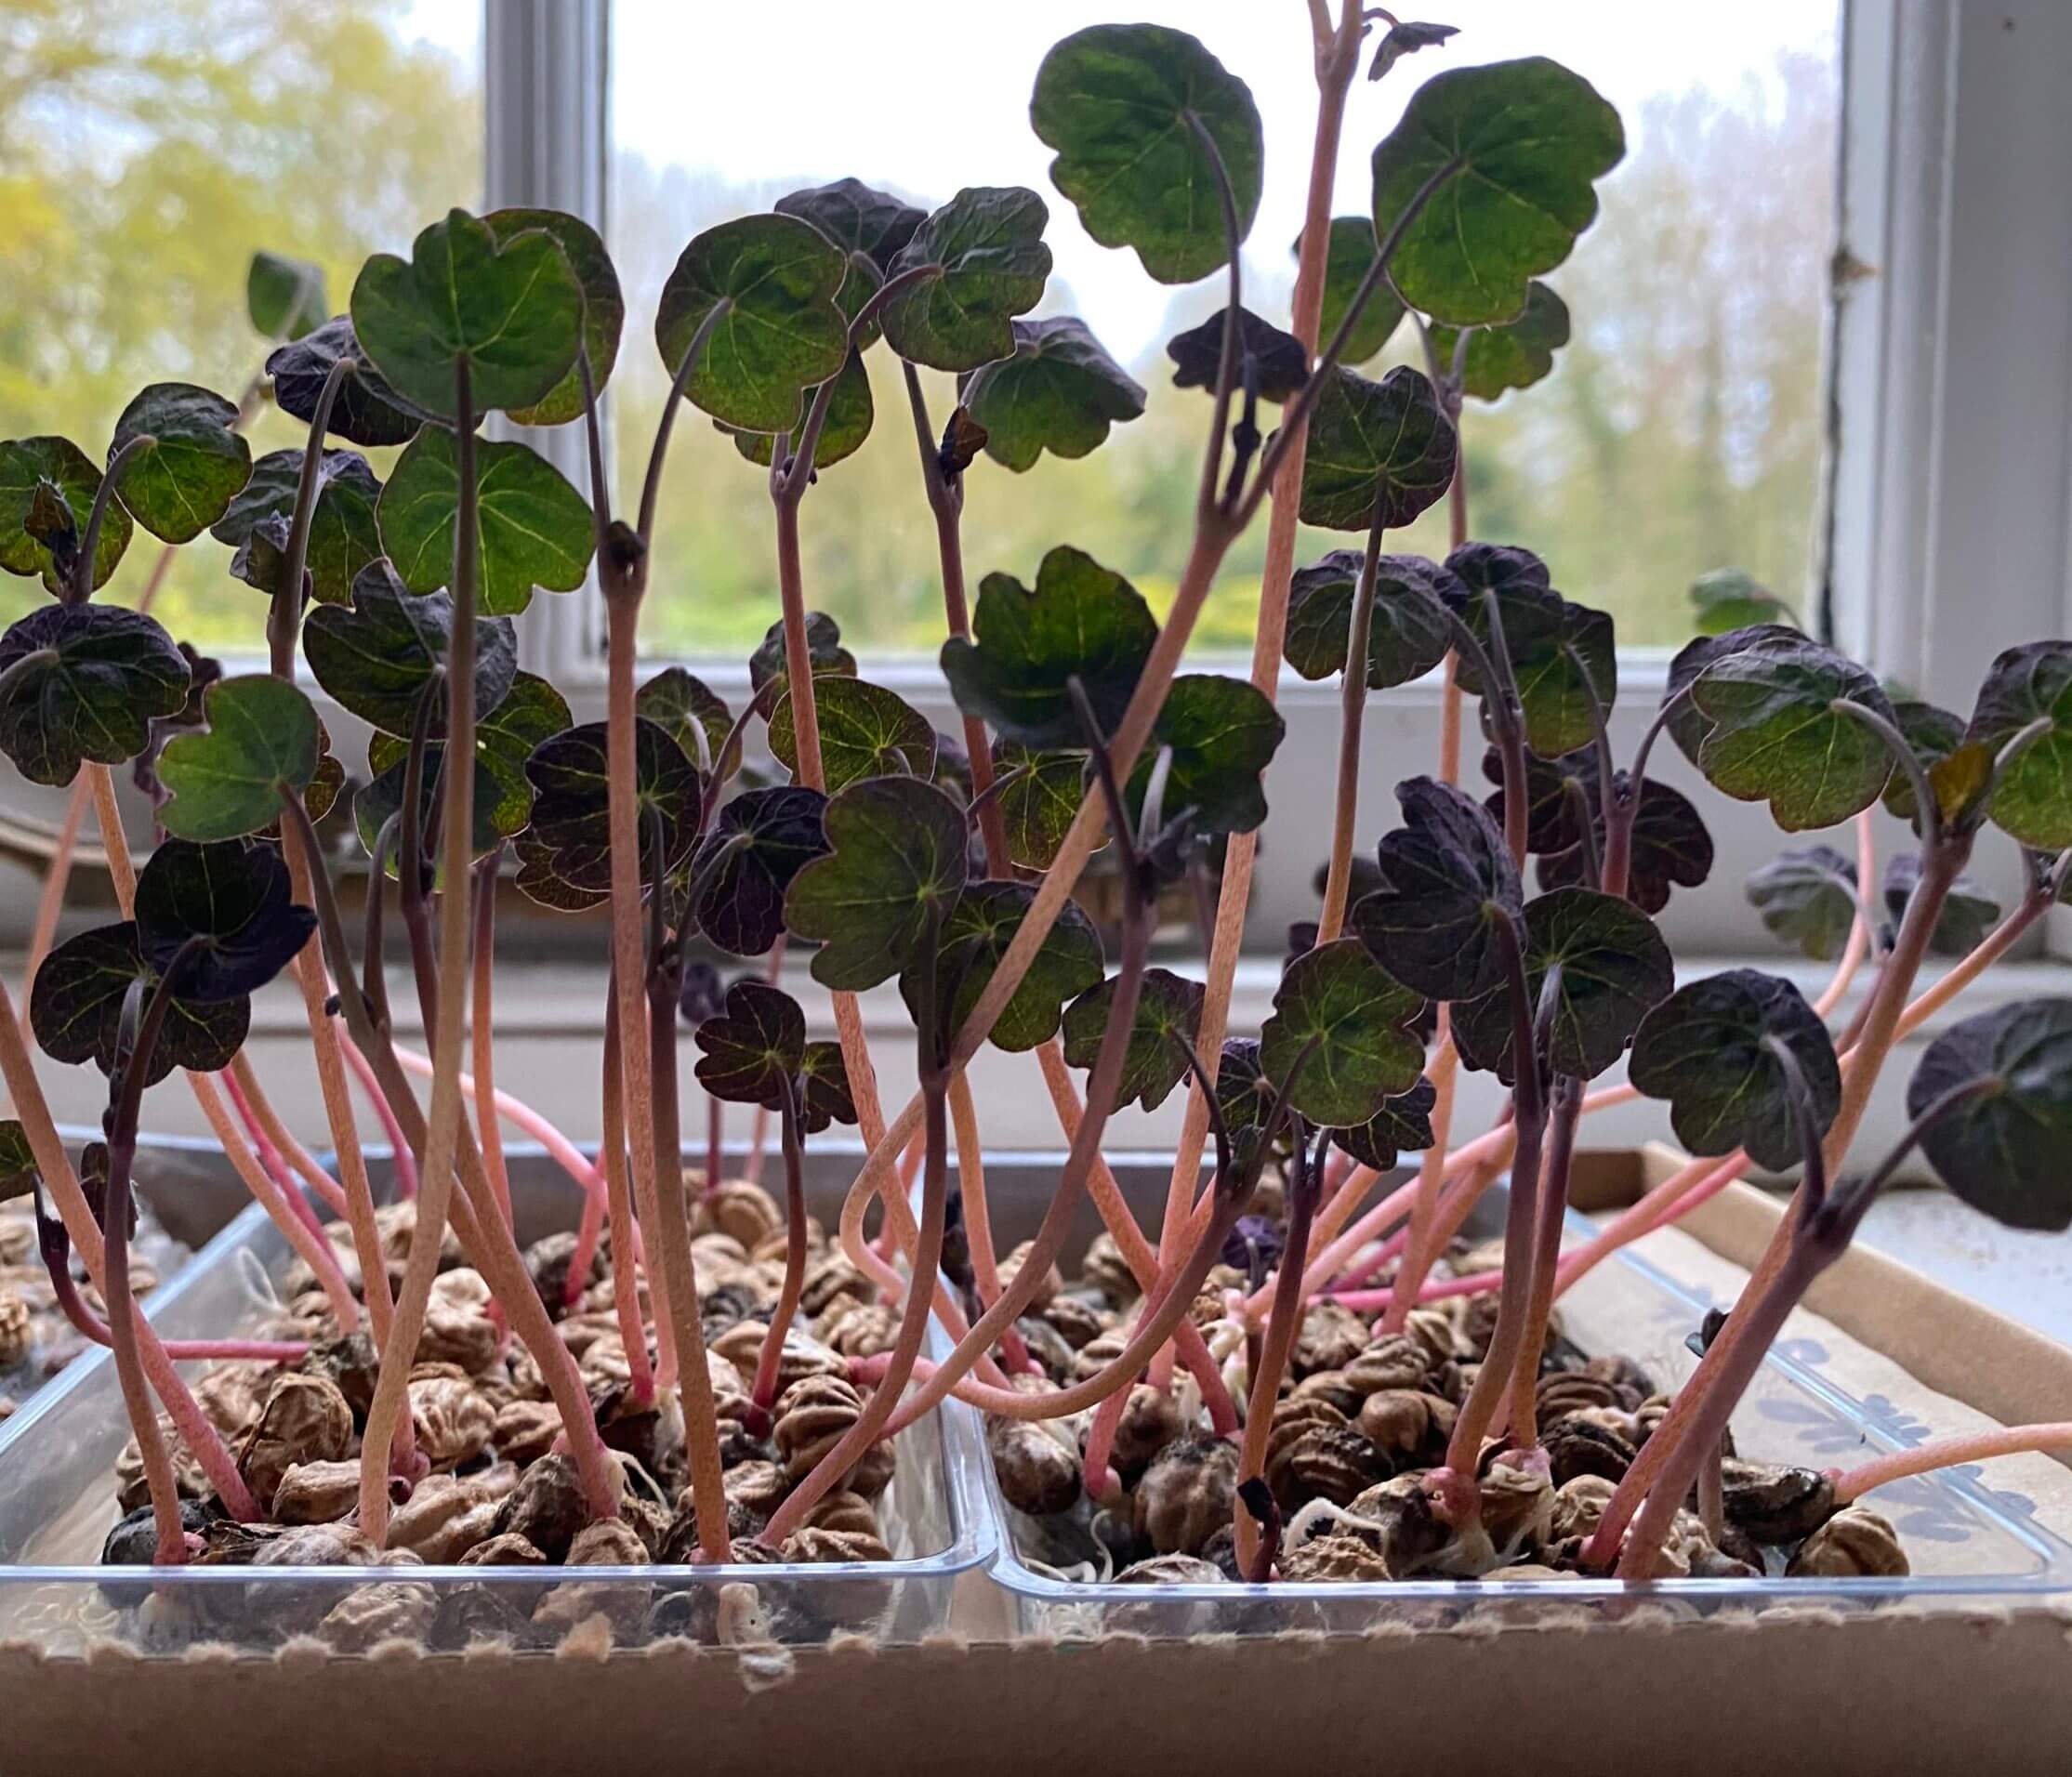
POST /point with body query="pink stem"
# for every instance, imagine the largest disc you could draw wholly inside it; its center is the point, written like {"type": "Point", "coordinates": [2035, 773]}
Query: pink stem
{"type": "Point", "coordinates": [269, 1158]}
{"type": "Point", "coordinates": [589, 1233]}
{"type": "Point", "coordinates": [400, 1156]}
{"type": "Point", "coordinates": [90, 1325]}
{"type": "Point", "coordinates": [2011, 1441]}
{"type": "Point", "coordinates": [564, 1152]}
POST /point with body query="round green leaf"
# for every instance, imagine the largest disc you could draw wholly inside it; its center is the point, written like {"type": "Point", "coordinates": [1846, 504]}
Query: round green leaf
{"type": "Point", "coordinates": [1402, 1125]}
{"type": "Point", "coordinates": [1120, 105]}
{"type": "Point", "coordinates": [232, 896]}
{"type": "Point", "coordinates": [2003, 1151]}
{"type": "Point", "coordinates": [1968, 913]}
{"type": "Point", "coordinates": [1379, 453]}
{"type": "Point", "coordinates": [773, 279]}
{"type": "Point", "coordinates": [850, 414]}
{"type": "Point", "coordinates": [1516, 148]}
{"type": "Point", "coordinates": [857, 218]}
{"type": "Point", "coordinates": [900, 856]}
{"type": "Point", "coordinates": [2033, 801]}
{"type": "Point", "coordinates": [191, 461]}
{"type": "Point", "coordinates": [531, 713]}
{"type": "Point", "coordinates": [865, 731]}
{"type": "Point", "coordinates": [372, 803]}
{"type": "Point", "coordinates": [75, 1009]}
{"type": "Point", "coordinates": [1355, 1019]}
{"type": "Point", "coordinates": [535, 530]}
{"type": "Point", "coordinates": [1711, 1050]}
{"type": "Point", "coordinates": [34, 532]}
{"type": "Point", "coordinates": [1730, 598]}
{"type": "Point", "coordinates": [1562, 686]}
{"type": "Point", "coordinates": [262, 739]}
{"type": "Point", "coordinates": [1614, 969]}
{"type": "Point", "coordinates": [1687, 723]}
{"type": "Point", "coordinates": [377, 654]}
{"type": "Point", "coordinates": [1059, 392]}
{"type": "Point", "coordinates": [751, 1052]}
{"type": "Point", "coordinates": [1513, 354]}
{"type": "Point", "coordinates": [987, 245]}
{"type": "Point", "coordinates": [285, 298]}
{"type": "Point", "coordinates": [603, 306]}
{"type": "Point", "coordinates": [1222, 734]}
{"type": "Point", "coordinates": [365, 410]}
{"type": "Point", "coordinates": [1080, 619]}
{"type": "Point", "coordinates": [688, 707]}
{"type": "Point", "coordinates": [1776, 737]}
{"type": "Point", "coordinates": [1449, 886]}
{"type": "Point", "coordinates": [770, 836]}
{"type": "Point", "coordinates": [1271, 362]}
{"type": "Point", "coordinates": [513, 309]}
{"type": "Point", "coordinates": [571, 802]}
{"type": "Point", "coordinates": [1153, 1064]}
{"type": "Point", "coordinates": [1347, 262]}
{"type": "Point", "coordinates": [824, 653]}
{"type": "Point", "coordinates": [85, 682]}
{"type": "Point", "coordinates": [976, 936]}
{"type": "Point", "coordinates": [1808, 899]}
{"type": "Point", "coordinates": [343, 535]}
{"type": "Point", "coordinates": [1039, 805]}
{"type": "Point", "coordinates": [1407, 637]}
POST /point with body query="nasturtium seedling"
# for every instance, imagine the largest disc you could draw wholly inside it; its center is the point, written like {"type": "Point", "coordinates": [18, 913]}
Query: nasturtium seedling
{"type": "Point", "coordinates": [766, 285]}
{"type": "Point", "coordinates": [768, 837]}
{"type": "Point", "coordinates": [75, 1009]}
{"type": "Point", "coordinates": [1450, 892]}
{"type": "Point", "coordinates": [1808, 897]}
{"type": "Point", "coordinates": [2026, 687]}
{"type": "Point", "coordinates": [1079, 621]}
{"type": "Point", "coordinates": [1168, 1006]}
{"type": "Point", "coordinates": [533, 529]}
{"type": "Point", "coordinates": [228, 906]}
{"type": "Point", "coordinates": [1271, 363]}
{"type": "Point", "coordinates": [344, 537]}
{"type": "Point", "coordinates": [1402, 1125]}
{"type": "Point", "coordinates": [1687, 724]}
{"type": "Point", "coordinates": [899, 859]}
{"type": "Point", "coordinates": [857, 218]}
{"type": "Point", "coordinates": [1512, 354]}
{"type": "Point", "coordinates": [696, 716]}
{"type": "Point", "coordinates": [285, 298]}
{"type": "Point", "coordinates": [44, 483]}
{"type": "Point", "coordinates": [365, 411]}
{"type": "Point", "coordinates": [529, 714]}
{"type": "Point", "coordinates": [84, 682]}
{"type": "Point", "coordinates": [975, 937]}
{"type": "Point", "coordinates": [183, 459]}
{"type": "Point", "coordinates": [1968, 913]}
{"type": "Point", "coordinates": [865, 731]}
{"type": "Point", "coordinates": [511, 309]}
{"type": "Point", "coordinates": [1613, 970]}
{"type": "Point", "coordinates": [1341, 1010]}
{"type": "Point", "coordinates": [1060, 392]}
{"type": "Point", "coordinates": [1407, 637]}
{"type": "Point", "coordinates": [1713, 1050]}
{"type": "Point", "coordinates": [851, 412]}
{"type": "Point", "coordinates": [378, 655]}
{"type": "Point", "coordinates": [1730, 598]}
{"type": "Point", "coordinates": [752, 1050]}
{"type": "Point", "coordinates": [2002, 1144]}
{"type": "Point", "coordinates": [603, 305]}
{"type": "Point", "coordinates": [823, 651]}
{"type": "Point", "coordinates": [1510, 153]}
{"type": "Point", "coordinates": [1379, 453]}
{"type": "Point", "coordinates": [1039, 799]}
{"type": "Point", "coordinates": [1126, 107]}
{"type": "Point", "coordinates": [1348, 260]}
{"type": "Point", "coordinates": [571, 802]}
{"type": "Point", "coordinates": [1221, 733]}
{"type": "Point", "coordinates": [990, 264]}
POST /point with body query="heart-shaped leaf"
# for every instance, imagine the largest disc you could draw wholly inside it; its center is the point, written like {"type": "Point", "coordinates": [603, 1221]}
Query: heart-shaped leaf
{"type": "Point", "coordinates": [770, 836]}
{"type": "Point", "coordinates": [824, 649]}
{"type": "Point", "coordinates": [1614, 969]}
{"type": "Point", "coordinates": [1402, 1125]}
{"type": "Point", "coordinates": [1671, 849]}
{"type": "Point", "coordinates": [852, 411]}
{"type": "Point", "coordinates": [1272, 362]}
{"type": "Point", "coordinates": [1514, 147]}
{"type": "Point", "coordinates": [750, 1053]}
{"type": "Point", "coordinates": [1222, 734]}
{"type": "Point", "coordinates": [689, 708]}
{"type": "Point", "coordinates": [1688, 725]}
{"type": "Point", "coordinates": [603, 305]}
{"type": "Point", "coordinates": [975, 937]}
{"type": "Point", "coordinates": [376, 655]}
{"type": "Point", "coordinates": [1025, 645]}
{"type": "Point", "coordinates": [285, 298]}
{"type": "Point", "coordinates": [537, 881]}
{"type": "Point", "coordinates": [898, 861]}
{"type": "Point", "coordinates": [372, 803]}
{"type": "Point", "coordinates": [865, 731]}
{"type": "Point", "coordinates": [1449, 889]}
{"type": "Point", "coordinates": [343, 535]}
{"type": "Point", "coordinates": [1407, 637]}
{"type": "Point", "coordinates": [826, 1098]}
{"type": "Point", "coordinates": [1777, 736]}
{"type": "Point", "coordinates": [1059, 392]}
{"type": "Point", "coordinates": [1353, 1019]}
{"type": "Point", "coordinates": [1711, 1050]}
{"type": "Point", "coordinates": [2033, 801]}
{"type": "Point", "coordinates": [571, 804]}
{"type": "Point", "coordinates": [188, 461]}
{"type": "Point", "coordinates": [365, 410]}
{"type": "Point", "coordinates": [232, 896]}
{"type": "Point", "coordinates": [772, 279]}
{"type": "Point", "coordinates": [987, 245]}
{"type": "Point", "coordinates": [2001, 1151]}
{"type": "Point", "coordinates": [1515, 354]}
{"type": "Point", "coordinates": [531, 713]}
{"type": "Point", "coordinates": [44, 482]}
{"type": "Point", "coordinates": [1378, 454]}
{"type": "Point", "coordinates": [1934, 734]}
{"type": "Point", "coordinates": [1121, 104]}
{"type": "Point", "coordinates": [1348, 260]}
{"type": "Point", "coordinates": [857, 218]}
{"type": "Point", "coordinates": [1968, 913]}
{"type": "Point", "coordinates": [84, 682]}
{"type": "Point", "coordinates": [1153, 1064]}
{"type": "Point", "coordinates": [1730, 598]}
{"type": "Point", "coordinates": [1563, 688]}
{"type": "Point", "coordinates": [75, 1009]}
{"type": "Point", "coordinates": [512, 308]}
{"type": "Point", "coordinates": [1808, 899]}
{"type": "Point", "coordinates": [1038, 805]}
{"type": "Point", "coordinates": [534, 530]}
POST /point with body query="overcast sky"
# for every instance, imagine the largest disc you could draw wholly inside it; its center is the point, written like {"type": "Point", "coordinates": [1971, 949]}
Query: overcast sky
{"type": "Point", "coordinates": [927, 94]}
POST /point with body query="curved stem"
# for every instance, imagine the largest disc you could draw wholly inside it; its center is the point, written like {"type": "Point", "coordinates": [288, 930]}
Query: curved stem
{"type": "Point", "coordinates": [283, 619]}
{"type": "Point", "coordinates": [1851, 1484]}
{"type": "Point", "coordinates": [1927, 810]}
{"type": "Point", "coordinates": [978, 1219]}
{"type": "Point", "coordinates": [1353, 701]}
{"type": "Point", "coordinates": [626, 1272]}
{"type": "Point", "coordinates": [82, 587]}
{"type": "Point", "coordinates": [650, 487]}
{"type": "Point", "coordinates": [1226, 361]}
{"type": "Point", "coordinates": [763, 1391]}
{"type": "Point", "coordinates": [489, 1129]}
{"type": "Point", "coordinates": [1281, 1328]}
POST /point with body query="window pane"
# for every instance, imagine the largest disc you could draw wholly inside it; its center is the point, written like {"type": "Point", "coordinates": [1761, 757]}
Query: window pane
{"type": "Point", "coordinates": [1679, 433]}
{"type": "Point", "coordinates": [147, 148]}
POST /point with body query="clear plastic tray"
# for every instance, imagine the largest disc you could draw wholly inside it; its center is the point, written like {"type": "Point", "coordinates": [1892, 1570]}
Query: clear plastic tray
{"type": "Point", "coordinates": [58, 1454]}
{"type": "Point", "coordinates": [1967, 1545]}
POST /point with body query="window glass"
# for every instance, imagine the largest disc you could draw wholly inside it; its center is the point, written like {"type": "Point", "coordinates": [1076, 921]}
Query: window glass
{"type": "Point", "coordinates": [1679, 432]}
{"type": "Point", "coordinates": [147, 148]}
